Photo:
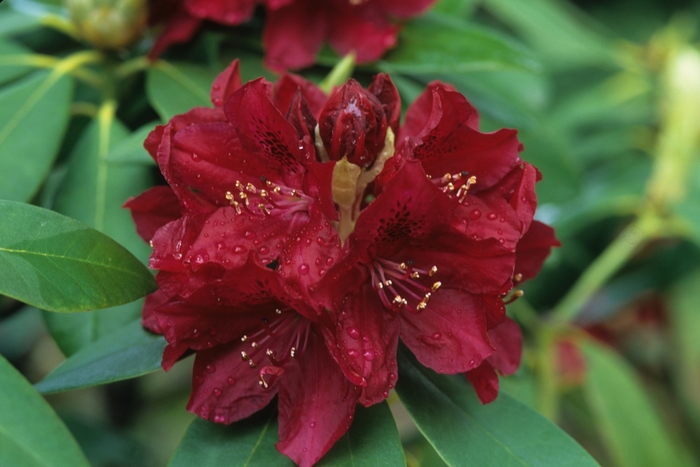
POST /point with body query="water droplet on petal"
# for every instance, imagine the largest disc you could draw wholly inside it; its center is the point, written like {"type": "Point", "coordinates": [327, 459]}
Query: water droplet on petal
{"type": "Point", "coordinates": [492, 216]}
{"type": "Point", "coordinates": [320, 240]}
{"type": "Point", "coordinates": [198, 379]}
{"type": "Point", "coordinates": [219, 419]}
{"type": "Point", "coordinates": [329, 261]}
{"type": "Point", "coordinates": [249, 234]}
{"type": "Point", "coordinates": [303, 269]}
{"type": "Point", "coordinates": [436, 336]}
{"type": "Point", "coordinates": [312, 424]}
{"type": "Point", "coordinates": [196, 158]}
{"type": "Point", "coordinates": [475, 214]}
{"type": "Point", "coordinates": [210, 368]}
{"type": "Point", "coordinates": [239, 249]}
{"type": "Point", "coordinates": [471, 363]}
{"type": "Point", "coordinates": [353, 332]}
{"type": "Point", "coordinates": [263, 250]}
{"type": "Point", "coordinates": [369, 355]}
{"type": "Point", "coordinates": [231, 380]}
{"type": "Point", "coordinates": [501, 241]}
{"type": "Point", "coordinates": [353, 353]}
{"type": "Point", "coordinates": [217, 392]}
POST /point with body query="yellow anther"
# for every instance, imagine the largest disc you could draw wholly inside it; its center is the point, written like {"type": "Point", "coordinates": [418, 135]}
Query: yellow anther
{"type": "Point", "coordinates": [292, 352]}
{"type": "Point", "coordinates": [436, 285]}
{"type": "Point", "coordinates": [415, 275]}
{"type": "Point", "coordinates": [251, 188]}
{"type": "Point", "coordinates": [244, 338]}
{"type": "Point", "coordinates": [403, 266]}
{"type": "Point", "coordinates": [432, 271]}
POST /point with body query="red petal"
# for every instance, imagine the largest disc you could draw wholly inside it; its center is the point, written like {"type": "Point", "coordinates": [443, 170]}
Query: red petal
{"type": "Point", "coordinates": [533, 249]}
{"type": "Point", "coordinates": [316, 405]}
{"type": "Point", "coordinates": [363, 28]}
{"type": "Point", "coordinates": [224, 386]}
{"type": "Point", "coordinates": [388, 95]}
{"type": "Point", "coordinates": [485, 382]}
{"type": "Point", "coordinates": [449, 335]}
{"type": "Point", "coordinates": [225, 84]}
{"type": "Point", "coordinates": [222, 11]}
{"type": "Point", "coordinates": [288, 85]}
{"type": "Point", "coordinates": [148, 319]}
{"type": "Point", "coordinates": [153, 209]}
{"type": "Point", "coordinates": [264, 130]}
{"type": "Point", "coordinates": [507, 341]}
{"type": "Point", "coordinates": [364, 344]}
{"type": "Point", "coordinates": [180, 28]}
{"type": "Point", "coordinates": [292, 21]}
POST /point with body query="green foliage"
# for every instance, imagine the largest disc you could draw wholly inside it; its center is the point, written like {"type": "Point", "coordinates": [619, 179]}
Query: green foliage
{"type": "Point", "coordinates": [504, 432]}
{"type": "Point", "coordinates": [33, 117]}
{"type": "Point", "coordinates": [59, 264]}
{"type": "Point", "coordinates": [126, 353]}
{"type": "Point", "coordinates": [175, 88]}
{"type": "Point", "coordinates": [31, 434]}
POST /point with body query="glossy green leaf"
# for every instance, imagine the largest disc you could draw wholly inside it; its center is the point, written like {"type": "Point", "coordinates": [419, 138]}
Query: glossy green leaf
{"type": "Point", "coordinates": [175, 88]}
{"type": "Point", "coordinates": [555, 29]}
{"type": "Point", "coordinates": [131, 150]}
{"type": "Point", "coordinates": [455, 7]}
{"type": "Point", "coordinates": [13, 21]}
{"type": "Point", "coordinates": [31, 434]}
{"type": "Point", "coordinates": [629, 424]}
{"type": "Point", "coordinates": [437, 44]}
{"type": "Point", "coordinates": [126, 353]}
{"type": "Point", "coordinates": [248, 443]}
{"type": "Point", "coordinates": [93, 192]}
{"type": "Point", "coordinates": [10, 67]}
{"type": "Point", "coordinates": [372, 440]}
{"type": "Point", "coordinates": [33, 117]}
{"type": "Point", "coordinates": [466, 433]}
{"type": "Point", "coordinates": [59, 264]}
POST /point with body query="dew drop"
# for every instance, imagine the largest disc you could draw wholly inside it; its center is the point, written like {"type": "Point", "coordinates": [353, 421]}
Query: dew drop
{"type": "Point", "coordinates": [475, 214]}
{"type": "Point", "coordinates": [501, 241]}
{"type": "Point", "coordinates": [392, 376]}
{"type": "Point", "coordinates": [329, 261]}
{"type": "Point", "coordinates": [321, 272]}
{"type": "Point", "coordinates": [239, 249]}
{"type": "Point", "coordinates": [307, 242]}
{"type": "Point", "coordinates": [198, 379]}
{"type": "Point", "coordinates": [249, 234]}
{"type": "Point", "coordinates": [220, 245]}
{"type": "Point", "coordinates": [219, 419]}
{"type": "Point", "coordinates": [312, 424]}
{"type": "Point", "coordinates": [320, 240]}
{"type": "Point", "coordinates": [210, 368]}
{"type": "Point", "coordinates": [386, 394]}
{"type": "Point", "coordinates": [303, 269]}
{"type": "Point", "coordinates": [231, 380]}
{"type": "Point", "coordinates": [317, 262]}
{"type": "Point", "coordinates": [196, 158]}
{"type": "Point", "coordinates": [263, 250]}
{"type": "Point", "coordinates": [217, 392]}
{"type": "Point", "coordinates": [215, 87]}
{"type": "Point", "coordinates": [502, 219]}
{"type": "Point", "coordinates": [353, 332]}
{"type": "Point", "coordinates": [436, 336]}
{"type": "Point", "coordinates": [369, 355]}
{"type": "Point", "coordinates": [353, 353]}
{"type": "Point", "coordinates": [471, 363]}
{"type": "Point", "coordinates": [492, 216]}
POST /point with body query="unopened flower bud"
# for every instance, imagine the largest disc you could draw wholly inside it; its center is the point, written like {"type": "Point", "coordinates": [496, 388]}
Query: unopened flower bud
{"type": "Point", "coordinates": [353, 124]}
{"type": "Point", "coordinates": [109, 24]}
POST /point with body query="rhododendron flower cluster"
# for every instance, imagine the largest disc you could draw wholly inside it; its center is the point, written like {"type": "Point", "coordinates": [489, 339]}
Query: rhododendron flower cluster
{"type": "Point", "coordinates": [302, 235]}
{"type": "Point", "coordinates": [366, 27]}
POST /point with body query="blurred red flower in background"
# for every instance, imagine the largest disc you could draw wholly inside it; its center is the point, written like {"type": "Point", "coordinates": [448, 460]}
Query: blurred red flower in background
{"type": "Point", "coordinates": [294, 30]}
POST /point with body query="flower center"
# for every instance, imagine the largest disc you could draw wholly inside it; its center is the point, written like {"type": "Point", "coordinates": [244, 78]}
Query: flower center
{"type": "Point", "coordinates": [275, 343]}
{"type": "Point", "coordinates": [263, 201]}
{"type": "Point", "coordinates": [455, 185]}
{"type": "Point", "coordinates": [401, 285]}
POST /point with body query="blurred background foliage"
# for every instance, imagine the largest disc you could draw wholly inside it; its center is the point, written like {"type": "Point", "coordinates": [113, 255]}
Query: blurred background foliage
{"type": "Point", "coordinates": [605, 95]}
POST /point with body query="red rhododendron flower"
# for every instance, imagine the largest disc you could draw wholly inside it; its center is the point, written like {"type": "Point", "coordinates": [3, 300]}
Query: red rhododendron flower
{"type": "Point", "coordinates": [296, 29]}
{"type": "Point", "coordinates": [299, 240]}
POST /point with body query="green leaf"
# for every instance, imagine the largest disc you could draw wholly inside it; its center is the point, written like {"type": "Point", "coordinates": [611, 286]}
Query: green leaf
{"type": "Point", "coordinates": [456, 7]}
{"type": "Point", "coordinates": [556, 30]}
{"type": "Point", "coordinates": [93, 192]}
{"type": "Point", "coordinates": [246, 443]}
{"type": "Point", "coordinates": [34, 113]}
{"type": "Point", "coordinates": [628, 423]}
{"type": "Point", "coordinates": [175, 88]}
{"type": "Point", "coordinates": [131, 150]}
{"type": "Point", "coordinates": [59, 264]}
{"type": "Point", "coordinates": [10, 67]}
{"type": "Point", "coordinates": [685, 325]}
{"type": "Point", "coordinates": [372, 440]}
{"type": "Point", "coordinates": [437, 44]}
{"type": "Point", "coordinates": [466, 433]}
{"type": "Point", "coordinates": [126, 353]}
{"type": "Point", "coordinates": [31, 434]}
{"type": "Point", "coordinates": [13, 22]}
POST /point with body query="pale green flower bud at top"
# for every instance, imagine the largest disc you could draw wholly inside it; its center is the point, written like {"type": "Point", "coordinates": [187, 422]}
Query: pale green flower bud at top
{"type": "Point", "coordinates": [109, 24]}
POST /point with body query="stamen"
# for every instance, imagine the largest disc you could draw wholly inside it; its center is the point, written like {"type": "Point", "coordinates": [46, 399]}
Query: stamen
{"type": "Point", "coordinates": [262, 382]}
{"type": "Point", "coordinates": [436, 286]}
{"type": "Point", "coordinates": [251, 188]}
{"type": "Point", "coordinates": [432, 271]}
{"type": "Point", "coordinates": [518, 277]}
{"type": "Point", "coordinates": [516, 295]}
{"type": "Point", "coordinates": [244, 338]}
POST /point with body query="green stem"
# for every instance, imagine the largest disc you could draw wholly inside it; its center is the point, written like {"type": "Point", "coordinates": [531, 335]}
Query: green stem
{"type": "Point", "coordinates": [548, 391]}
{"type": "Point", "coordinates": [633, 237]}
{"type": "Point", "coordinates": [61, 24]}
{"type": "Point", "coordinates": [339, 74]}
{"type": "Point", "coordinates": [132, 66]}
